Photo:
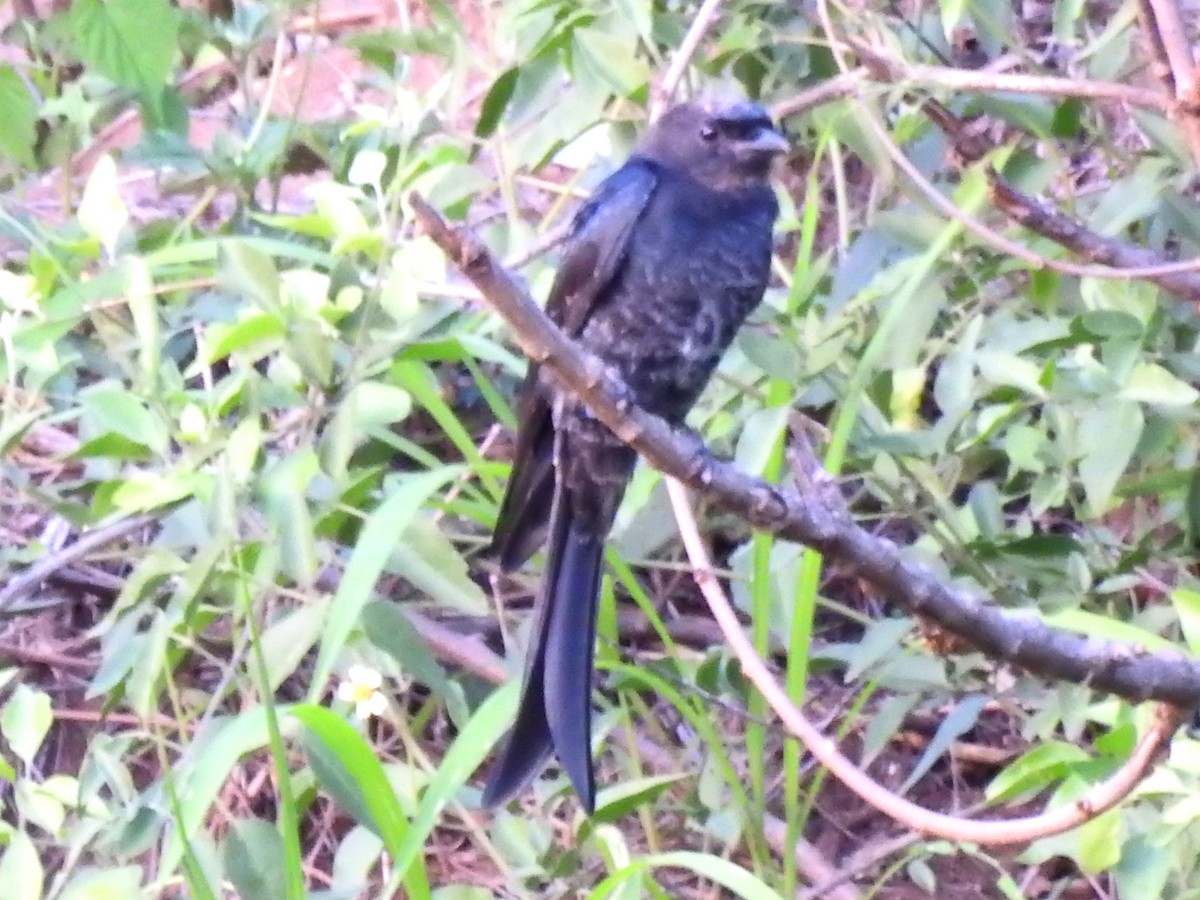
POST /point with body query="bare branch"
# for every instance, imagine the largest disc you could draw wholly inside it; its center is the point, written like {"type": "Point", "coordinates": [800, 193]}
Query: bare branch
{"type": "Point", "coordinates": [836, 88]}
{"type": "Point", "coordinates": [683, 56]}
{"type": "Point", "coordinates": [1171, 54]}
{"type": "Point", "coordinates": [1017, 83]}
{"type": "Point", "coordinates": [1010, 831]}
{"type": "Point", "coordinates": [1020, 638]}
{"type": "Point", "coordinates": [1179, 278]}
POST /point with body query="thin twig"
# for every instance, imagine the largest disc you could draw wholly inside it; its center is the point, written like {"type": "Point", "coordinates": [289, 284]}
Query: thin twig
{"type": "Point", "coordinates": [837, 88]}
{"type": "Point", "coordinates": [683, 56]}
{"type": "Point", "coordinates": [946, 206]}
{"type": "Point", "coordinates": [994, 833]}
{"type": "Point", "coordinates": [1018, 83]}
{"type": "Point", "coordinates": [1171, 53]}
{"type": "Point", "coordinates": [28, 580]}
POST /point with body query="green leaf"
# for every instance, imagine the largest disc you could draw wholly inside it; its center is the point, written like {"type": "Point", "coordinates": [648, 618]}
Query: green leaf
{"type": "Point", "coordinates": [24, 721]}
{"type": "Point", "coordinates": [283, 488]}
{"type": "Point", "coordinates": [1187, 607]}
{"type": "Point", "coordinates": [110, 409]}
{"type": "Point", "coordinates": [254, 859]}
{"type": "Point", "coordinates": [1010, 370]}
{"type": "Point", "coordinates": [430, 561]}
{"type": "Point", "coordinates": [613, 60]}
{"type": "Point", "coordinates": [1144, 868]}
{"type": "Point", "coordinates": [349, 769]}
{"type": "Point", "coordinates": [133, 42]}
{"type": "Point", "coordinates": [706, 865]}
{"type": "Point", "coordinates": [260, 331]}
{"type": "Point", "coordinates": [18, 112]}
{"type": "Point", "coordinates": [102, 212]}
{"type": "Point", "coordinates": [1108, 435]}
{"type": "Point", "coordinates": [614, 802]}
{"type": "Point", "coordinates": [465, 755]}
{"type": "Point", "coordinates": [249, 271]}
{"type": "Point", "coordinates": [143, 307]}
{"type": "Point", "coordinates": [960, 720]}
{"type": "Point", "coordinates": [1100, 842]}
{"type": "Point", "coordinates": [204, 771]}
{"type": "Point", "coordinates": [21, 870]}
{"type": "Point", "coordinates": [376, 542]}
{"type": "Point", "coordinates": [287, 640]}
{"type": "Point", "coordinates": [1150, 383]}
{"type": "Point", "coordinates": [1035, 770]}
{"type": "Point", "coordinates": [495, 102]}
{"type": "Point", "coordinates": [388, 628]}
{"type": "Point", "coordinates": [104, 884]}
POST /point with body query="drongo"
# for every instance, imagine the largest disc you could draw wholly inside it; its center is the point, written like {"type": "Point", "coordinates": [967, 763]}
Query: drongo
{"type": "Point", "coordinates": [663, 265]}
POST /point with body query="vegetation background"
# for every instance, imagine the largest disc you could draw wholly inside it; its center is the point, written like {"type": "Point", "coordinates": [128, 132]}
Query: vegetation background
{"type": "Point", "coordinates": [249, 428]}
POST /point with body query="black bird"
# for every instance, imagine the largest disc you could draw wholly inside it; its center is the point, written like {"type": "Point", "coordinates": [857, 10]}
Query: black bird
{"type": "Point", "coordinates": [663, 265]}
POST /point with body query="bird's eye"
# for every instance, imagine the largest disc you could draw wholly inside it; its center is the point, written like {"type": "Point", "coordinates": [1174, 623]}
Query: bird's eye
{"type": "Point", "coordinates": [708, 133]}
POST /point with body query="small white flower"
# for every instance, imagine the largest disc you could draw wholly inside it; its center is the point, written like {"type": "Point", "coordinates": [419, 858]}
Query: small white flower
{"type": "Point", "coordinates": [361, 687]}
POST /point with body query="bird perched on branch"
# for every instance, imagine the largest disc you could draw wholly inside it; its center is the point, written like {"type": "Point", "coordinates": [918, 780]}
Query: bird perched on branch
{"type": "Point", "coordinates": [663, 265]}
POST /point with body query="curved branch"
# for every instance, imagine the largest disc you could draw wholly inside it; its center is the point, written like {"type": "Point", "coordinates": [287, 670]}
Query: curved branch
{"type": "Point", "coordinates": [995, 832]}
{"type": "Point", "coordinates": [687, 49]}
{"type": "Point", "coordinates": [1020, 638]}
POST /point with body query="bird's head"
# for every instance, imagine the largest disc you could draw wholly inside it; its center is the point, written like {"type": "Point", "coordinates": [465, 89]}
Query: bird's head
{"type": "Point", "coordinates": [725, 144]}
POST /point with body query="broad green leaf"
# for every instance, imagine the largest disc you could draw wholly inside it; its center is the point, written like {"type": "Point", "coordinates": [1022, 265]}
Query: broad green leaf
{"type": "Point", "coordinates": [18, 112]}
{"type": "Point", "coordinates": [287, 640]}
{"type": "Point", "coordinates": [21, 870]}
{"type": "Point", "coordinates": [1150, 383]}
{"type": "Point", "coordinates": [132, 42]}
{"type": "Point", "coordinates": [258, 331]}
{"type": "Point", "coordinates": [143, 307]}
{"type": "Point", "coordinates": [119, 411]}
{"type": "Point", "coordinates": [24, 721]}
{"type": "Point", "coordinates": [495, 101]}
{"type": "Point", "coordinates": [102, 212]}
{"type": "Point", "coordinates": [104, 884]}
{"type": "Point", "coordinates": [1035, 770]}
{"type": "Point", "coordinates": [349, 769]}
{"type": "Point", "coordinates": [248, 270]}
{"type": "Point", "coordinates": [254, 859]}
{"type": "Point", "coordinates": [1110, 629]}
{"type": "Point", "coordinates": [283, 488]}
{"type": "Point", "coordinates": [615, 61]}
{"type": "Point", "coordinates": [613, 802]}
{"type": "Point", "coordinates": [468, 751]}
{"type": "Point", "coordinates": [1144, 868]}
{"type": "Point", "coordinates": [1108, 435]}
{"type": "Point", "coordinates": [376, 542]}
{"type": "Point", "coordinates": [1187, 607]}
{"type": "Point", "coordinates": [204, 770]}
{"type": "Point", "coordinates": [431, 563]}
{"type": "Point", "coordinates": [1100, 842]}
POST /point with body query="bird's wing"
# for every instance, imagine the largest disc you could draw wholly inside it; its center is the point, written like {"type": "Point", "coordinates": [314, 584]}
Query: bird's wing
{"type": "Point", "coordinates": [597, 247]}
{"type": "Point", "coordinates": [599, 243]}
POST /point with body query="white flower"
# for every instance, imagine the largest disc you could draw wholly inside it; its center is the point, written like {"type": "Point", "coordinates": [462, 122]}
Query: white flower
{"type": "Point", "coordinates": [361, 687]}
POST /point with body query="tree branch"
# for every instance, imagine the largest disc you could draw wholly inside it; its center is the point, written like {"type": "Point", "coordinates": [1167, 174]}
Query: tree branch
{"type": "Point", "coordinates": [1180, 278]}
{"type": "Point", "coordinates": [1020, 638]}
{"type": "Point", "coordinates": [1100, 798]}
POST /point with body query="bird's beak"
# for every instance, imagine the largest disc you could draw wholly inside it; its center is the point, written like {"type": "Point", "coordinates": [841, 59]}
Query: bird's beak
{"type": "Point", "coordinates": [766, 142]}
